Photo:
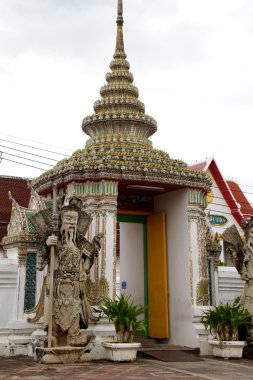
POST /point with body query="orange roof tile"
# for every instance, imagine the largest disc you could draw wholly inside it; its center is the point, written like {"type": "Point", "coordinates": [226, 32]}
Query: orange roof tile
{"type": "Point", "coordinates": [240, 198]}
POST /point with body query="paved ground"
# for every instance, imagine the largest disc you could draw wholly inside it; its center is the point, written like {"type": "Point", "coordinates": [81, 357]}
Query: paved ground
{"type": "Point", "coordinates": [25, 368]}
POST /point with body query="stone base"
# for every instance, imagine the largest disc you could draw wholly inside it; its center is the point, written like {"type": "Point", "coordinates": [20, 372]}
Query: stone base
{"type": "Point", "coordinates": [121, 352]}
{"type": "Point", "coordinates": [101, 331]}
{"type": "Point", "coordinates": [62, 355]}
{"type": "Point", "coordinates": [201, 333]}
{"type": "Point", "coordinates": [18, 340]}
{"type": "Point", "coordinates": [227, 349]}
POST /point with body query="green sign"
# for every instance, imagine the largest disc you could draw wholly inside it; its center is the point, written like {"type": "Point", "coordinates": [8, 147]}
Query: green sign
{"type": "Point", "coordinates": [217, 220]}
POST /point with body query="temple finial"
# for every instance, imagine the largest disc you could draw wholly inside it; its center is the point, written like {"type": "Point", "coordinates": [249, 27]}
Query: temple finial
{"type": "Point", "coordinates": [120, 21]}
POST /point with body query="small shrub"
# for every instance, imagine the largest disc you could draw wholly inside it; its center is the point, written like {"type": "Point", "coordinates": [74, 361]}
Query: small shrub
{"type": "Point", "coordinates": [224, 321]}
{"type": "Point", "coordinates": [123, 314]}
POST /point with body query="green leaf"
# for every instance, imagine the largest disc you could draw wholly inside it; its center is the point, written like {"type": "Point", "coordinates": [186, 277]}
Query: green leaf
{"type": "Point", "coordinates": [124, 315]}
{"type": "Point", "coordinates": [225, 319]}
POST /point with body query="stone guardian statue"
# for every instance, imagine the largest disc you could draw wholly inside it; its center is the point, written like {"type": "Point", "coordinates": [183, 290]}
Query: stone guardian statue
{"type": "Point", "coordinates": [241, 253]}
{"type": "Point", "coordinates": [73, 258]}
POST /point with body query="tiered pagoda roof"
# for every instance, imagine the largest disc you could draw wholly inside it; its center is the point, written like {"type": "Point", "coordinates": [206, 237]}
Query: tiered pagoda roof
{"type": "Point", "coordinates": [119, 147]}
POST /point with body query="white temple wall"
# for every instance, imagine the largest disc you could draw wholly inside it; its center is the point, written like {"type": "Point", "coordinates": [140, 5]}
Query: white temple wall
{"type": "Point", "coordinates": [132, 260]}
{"type": "Point", "coordinates": [194, 259]}
{"type": "Point", "coordinates": [20, 295]}
{"type": "Point", "coordinates": [8, 286]}
{"type": "Point", "coordinates": [12, 253]}
{"type": "Point", "coordinates": [15, 331]}
{"type": "Point", "coordinates": [110, 253]}
{"type": "Point", "coordinates": [175, 205]}
{"type": "Point", "coordinates": [40, 275]}
{"type": "Point", "coordinates": [230, 284]}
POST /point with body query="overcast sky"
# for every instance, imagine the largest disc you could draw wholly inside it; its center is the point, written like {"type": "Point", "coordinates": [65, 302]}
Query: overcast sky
{"type": "Point", "coordinates": [192, 61]}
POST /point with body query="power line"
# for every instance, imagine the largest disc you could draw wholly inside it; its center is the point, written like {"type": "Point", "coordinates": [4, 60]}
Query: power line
{"type": "Point", "coordinates": [219, 204]}
{"type": "Point", "coordinates": [28, 159]}
{"type": "Point", "coordinates": [237, 183]}
{"type": "Point", "coordinates": [33, 154]}
{"type": "Point", "coordinates": [29, 146]}
{"type": "Point", "coordinates": [37, 142]}
{"type": "Point", "coordinates": [222, 211]}
{"type": "Point", "coordinates": [35, 167]}
{"type": "Point", "coordinates": [241, 203]}
{"type": "Point", "coordinates": [49, 151]}
{"type": "Point", "coordinates": [230, 180]}
{"type": "Point", "coordinates": [234, 190]}
{"type": "Point", "coordinates": [47, 158]}
{"type": "Point", "coordinates": [21, 163]}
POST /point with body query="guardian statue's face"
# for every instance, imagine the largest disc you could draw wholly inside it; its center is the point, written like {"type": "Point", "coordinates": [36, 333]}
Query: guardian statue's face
{"type": "Point", "coordinates": [69, 225]}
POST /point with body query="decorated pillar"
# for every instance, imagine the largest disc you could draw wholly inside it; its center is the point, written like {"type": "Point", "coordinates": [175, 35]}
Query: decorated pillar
{"type": "Point", "coordinates": [100, 201]}
{"type": "Point", "coordinates": [197, 249]}
{"type": "Point", "coordinates": [200, 293]}
{"type": "Point", "coordinates": [28, 280]}
{"type": "Point", "coordinates": [214, 249]}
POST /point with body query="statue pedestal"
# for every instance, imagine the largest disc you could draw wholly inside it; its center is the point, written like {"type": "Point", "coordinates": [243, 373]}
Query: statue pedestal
{"type": "Point", "coordinates": [62, 355]}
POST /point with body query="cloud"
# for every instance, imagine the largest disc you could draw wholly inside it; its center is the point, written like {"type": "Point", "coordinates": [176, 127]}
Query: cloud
{"type": "Point", "coordinates": [192, 62]}
{"type": "Point", "coordinates": [53, 27]}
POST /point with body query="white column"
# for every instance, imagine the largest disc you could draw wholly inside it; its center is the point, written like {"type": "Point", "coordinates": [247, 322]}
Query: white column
{"type": "Point", "coordinates": [20, 297]}
{"type": "Point", "coordinates": [110, 267]}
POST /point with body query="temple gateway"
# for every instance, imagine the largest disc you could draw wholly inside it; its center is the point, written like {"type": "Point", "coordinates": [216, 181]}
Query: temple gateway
{"type": "Point", "coordinates": [150, 209]}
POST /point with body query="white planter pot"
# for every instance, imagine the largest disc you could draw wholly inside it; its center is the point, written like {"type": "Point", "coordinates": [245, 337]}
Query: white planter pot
{"type": "Point", "coordinates": [227, 349]}
{"type": "Point", "coordinates": [121, 352]}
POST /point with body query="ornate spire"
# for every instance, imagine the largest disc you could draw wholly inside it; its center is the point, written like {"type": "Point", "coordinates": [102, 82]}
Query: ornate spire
{"type": "Point", "coordinates": [119, 147]}
{"type": "Point", "coordinates": [120, 22]}
{"type": "Point", "coordinates": [119, 98]}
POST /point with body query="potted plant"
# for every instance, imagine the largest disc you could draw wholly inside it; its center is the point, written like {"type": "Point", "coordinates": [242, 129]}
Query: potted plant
{"type": "Point", "coordinates": [223, 321]}
{"type": "Point", "coordinates": [123, 313]}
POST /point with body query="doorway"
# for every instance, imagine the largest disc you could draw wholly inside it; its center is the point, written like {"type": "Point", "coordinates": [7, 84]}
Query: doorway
{"type": "Point", "coordinates": [142, 267]}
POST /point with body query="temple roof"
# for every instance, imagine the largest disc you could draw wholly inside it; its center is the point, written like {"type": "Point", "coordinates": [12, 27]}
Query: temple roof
{"type": "Point", "coordinates": [239, 205]}
{"type": "Point", "coordinates": [119, 147]}
{"type": "Point", "coordinates": [20, 228]}
{"type": "Point", "coordinates": [241, 199]}
{"type": "Point", "coordinates": [19, 188]}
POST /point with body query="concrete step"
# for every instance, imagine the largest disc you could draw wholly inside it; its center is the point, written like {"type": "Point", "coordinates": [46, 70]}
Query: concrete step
{"type": "Point", "coordinates": [162, 350]}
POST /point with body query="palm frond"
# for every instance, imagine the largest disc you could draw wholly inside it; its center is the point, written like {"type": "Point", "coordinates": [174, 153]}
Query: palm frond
{"type": "Point", "coordinates": [124, 315]}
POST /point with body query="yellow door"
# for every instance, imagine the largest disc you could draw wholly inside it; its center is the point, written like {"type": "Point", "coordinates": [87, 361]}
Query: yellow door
{"type": "Point", "coordinates": [157, 277]}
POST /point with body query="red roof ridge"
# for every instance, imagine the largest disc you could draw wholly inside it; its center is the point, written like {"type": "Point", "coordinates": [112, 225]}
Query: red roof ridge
{"type": "Point", "coordinates": [15, 177]}
{"type": "Point", "coordinates": [241, 198]}
{"type": "Point", "coordinates": [223, 187]}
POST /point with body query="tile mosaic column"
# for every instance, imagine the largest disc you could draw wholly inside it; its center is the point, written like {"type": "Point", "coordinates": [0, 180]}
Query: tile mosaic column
{"type": "Point", "coordinates": [100, 201]}
{"type": "Point", "coordinates": [198, 263]}
{"type": "Point", "coordinates": [197, 247]}
{"type": "Point", "coordinates": [27, 284]}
